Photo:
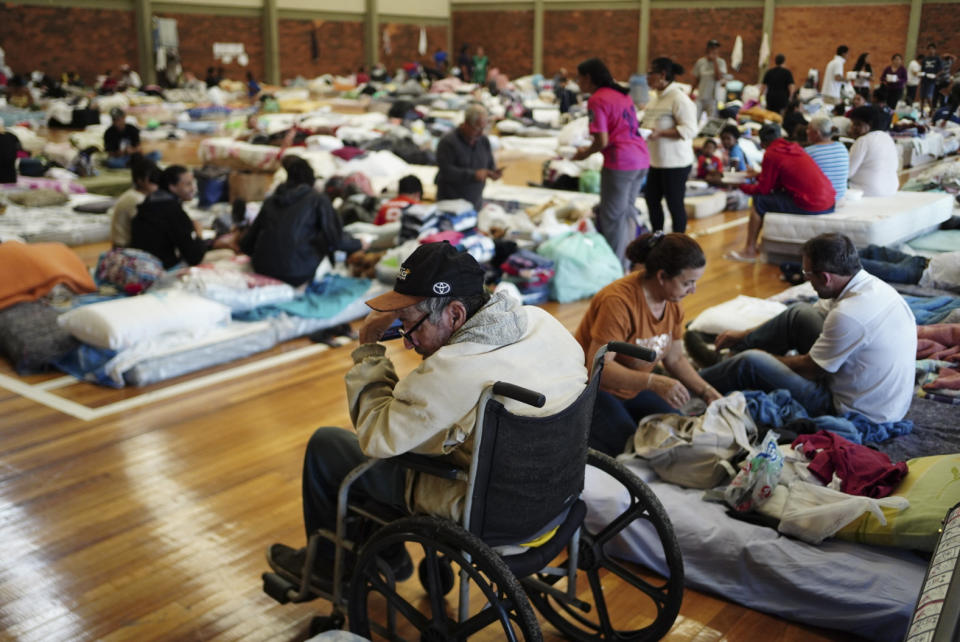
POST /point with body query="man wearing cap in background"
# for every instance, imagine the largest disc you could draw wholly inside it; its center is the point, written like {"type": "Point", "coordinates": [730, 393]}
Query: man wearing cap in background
{"type": "Point", "coordinates": [468, 340]}
{"type": "Point", "coordinates": [709, 72]}
{"type": "Point", "coordinates": [789, 182]}
{"type": "Point", "coordinates": [122, 140]}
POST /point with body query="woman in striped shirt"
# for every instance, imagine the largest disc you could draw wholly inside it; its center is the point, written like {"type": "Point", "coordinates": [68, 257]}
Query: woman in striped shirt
{"type": "Point", "coordinates": [831, 156]}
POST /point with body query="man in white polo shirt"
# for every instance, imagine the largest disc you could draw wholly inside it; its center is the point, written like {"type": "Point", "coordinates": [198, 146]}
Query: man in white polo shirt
{"type": "Point", "coordinates": [833, 77]}
{"type": "Point", "coordinates": [857, 346]}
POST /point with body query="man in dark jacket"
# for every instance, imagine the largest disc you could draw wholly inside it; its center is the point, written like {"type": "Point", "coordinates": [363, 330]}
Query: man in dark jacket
{"type": "Point", "coordinates": [465, 160]}
{"type": "Point", "coordinates": [295, 229]}
{"type": "Point", "coordinates": [162, 228]}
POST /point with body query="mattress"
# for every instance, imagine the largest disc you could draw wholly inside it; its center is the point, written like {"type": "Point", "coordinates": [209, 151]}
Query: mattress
{"type": "Point", "coordinates": [883, 221]}
{"type": "Point", "coordinates": [866, 590]}
{"type": "Point", "coordinates": [236, 340]}
{"type": "Point", "coordinates": [56, 224]}
{"type": "Point", "coordinates": [703, 206]}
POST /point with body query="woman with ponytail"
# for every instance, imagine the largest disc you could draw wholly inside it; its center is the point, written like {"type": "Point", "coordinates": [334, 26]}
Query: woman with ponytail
{"type": "Point", "coordinates": [613, 127]}
{"type": "Point", "coordinates": [644, 308]}
{"type": "Point", "coordinates": [673, 118]}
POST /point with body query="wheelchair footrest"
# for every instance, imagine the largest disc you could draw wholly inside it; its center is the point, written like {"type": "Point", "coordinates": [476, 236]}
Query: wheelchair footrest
{"type": "Point", "coordinates": [279, 588]}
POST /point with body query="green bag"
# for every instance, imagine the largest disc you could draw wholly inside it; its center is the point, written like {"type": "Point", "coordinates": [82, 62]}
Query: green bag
{"type": "Point", "coordinates": [584, 263]}
{"type": "Point", "coordinates": [590, 181]}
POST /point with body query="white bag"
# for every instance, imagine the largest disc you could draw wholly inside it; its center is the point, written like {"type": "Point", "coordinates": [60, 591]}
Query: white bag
{"type": "Point", "coordinates": [813, 513]}
{"type": "Point", "coordinates": [694, 452]}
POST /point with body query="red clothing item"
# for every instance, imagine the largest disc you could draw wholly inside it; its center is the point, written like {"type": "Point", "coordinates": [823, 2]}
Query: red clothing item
{"type": "Point", "coordinates": [393, 209]}
{"type": "Point", "coordinates": [863, 471]}
{"type": "Point", "coordinates": [707, 164]}
{"type": "Point", "coordinates": [787, 168]}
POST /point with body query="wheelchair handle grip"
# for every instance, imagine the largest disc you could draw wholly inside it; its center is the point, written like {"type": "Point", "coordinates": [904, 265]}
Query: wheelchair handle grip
{"type": "Point", "coordinates": [523, 395]}
{"type": "Point", "coordinates": [632, 350]}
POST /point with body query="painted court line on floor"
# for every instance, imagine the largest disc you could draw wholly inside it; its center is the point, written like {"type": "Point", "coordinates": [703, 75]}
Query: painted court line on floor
{"type": "Point", "coordinates": [38, 394]}
{"type": "Point", "coordinates": [737, 222]}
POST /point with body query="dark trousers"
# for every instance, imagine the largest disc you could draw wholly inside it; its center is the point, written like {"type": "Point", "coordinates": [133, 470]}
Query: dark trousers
{"type": "Point", "coordinates": [331, 454]}
{"type": "Point", "coordinates": [615, 420]}
{"type": "Point", "coordinates": [669, 183]}
{"type": "Point", "coordinates": [892, 266]}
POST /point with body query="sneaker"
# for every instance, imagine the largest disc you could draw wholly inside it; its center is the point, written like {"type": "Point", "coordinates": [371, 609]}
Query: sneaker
{"type": "Point", "coordinates": [289, 563]}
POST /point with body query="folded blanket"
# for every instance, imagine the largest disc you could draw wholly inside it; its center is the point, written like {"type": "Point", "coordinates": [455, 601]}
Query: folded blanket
{"type": "Point", "coordinates": [30, 271]}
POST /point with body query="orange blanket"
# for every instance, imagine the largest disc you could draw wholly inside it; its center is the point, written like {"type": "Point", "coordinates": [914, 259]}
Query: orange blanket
{"type": "Point", "coordinates": [27, 272]}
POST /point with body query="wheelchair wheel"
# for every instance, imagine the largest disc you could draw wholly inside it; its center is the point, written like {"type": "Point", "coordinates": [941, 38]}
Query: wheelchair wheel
{"type": "Point", "coordinates": [377, 605]}
{"type": "Point", "coordinates": [654, 602]}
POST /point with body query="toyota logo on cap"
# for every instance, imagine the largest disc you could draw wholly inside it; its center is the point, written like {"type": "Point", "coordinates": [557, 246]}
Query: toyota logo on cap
{"type": "Point", "coordinates": [441, 287]}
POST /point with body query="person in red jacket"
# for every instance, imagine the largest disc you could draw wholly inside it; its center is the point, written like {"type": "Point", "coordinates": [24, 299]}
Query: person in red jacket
{"type": "Point", "coordinates": [789, 182]}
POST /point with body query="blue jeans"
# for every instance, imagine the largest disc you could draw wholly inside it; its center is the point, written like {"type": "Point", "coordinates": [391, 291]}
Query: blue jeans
{"type": "Point", "coordinates": [615, 420]}
{"type": "Point", "coordinates": [121, 162]}
{"type": "Point", "coordinates": [893, 266]}
{"type": "Point", "coordinates": [331, 454]}
{"type": "Point", "coordinates": [796, 328]}
{"type": "Point", "coordinates": [781, 202]}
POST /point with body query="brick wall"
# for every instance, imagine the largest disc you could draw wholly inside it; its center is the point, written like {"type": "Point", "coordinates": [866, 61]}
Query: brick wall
{"type": "Point", "coordinates": [506, 36]}
{"type": "Point", "coordinates": [339, 47]}
{"type": "Point", "coordinates": [564, 44]}
{"type": "Point", "coordinates": [682, 34]}
{"type": "Point", "coordinates": [404, 43]}
{"type": "Point", "coordinates": [809, 36]}
{"type": "Point", "coordinates": [198, 32]}
{"type": "Point", "coordinates": [59, 39]}
{"type": "Point", "coordinates": [940, 23]}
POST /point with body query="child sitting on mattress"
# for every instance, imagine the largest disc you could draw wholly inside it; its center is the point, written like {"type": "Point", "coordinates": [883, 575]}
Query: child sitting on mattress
{"type": "Point", "coordinates": [707, 161]}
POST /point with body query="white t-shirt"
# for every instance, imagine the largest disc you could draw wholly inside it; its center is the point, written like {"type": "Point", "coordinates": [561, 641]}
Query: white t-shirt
{"type": "Point", "coordinates": [671, 108]}
{"type": "Point", "coordinates": [869, 347]}
{"type": "Point", "coordinates": [913, 73]}
{"type": "Point", "coordinates": [830, 86]}
{"type": "Point", "coordinates": [873, 164]}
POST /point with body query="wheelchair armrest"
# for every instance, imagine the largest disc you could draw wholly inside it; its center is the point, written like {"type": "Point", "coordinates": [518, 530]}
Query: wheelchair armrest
{"type": "Point", "coordinates": [430, 465]}
{"type": "Point", "coordinates": [519, 393]}
{"type": "Point", "coordinates": [631, 350]}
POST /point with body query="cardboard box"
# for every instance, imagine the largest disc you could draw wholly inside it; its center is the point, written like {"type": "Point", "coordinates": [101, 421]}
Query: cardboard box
{"type": "Point", "coordinates": [250, 186]}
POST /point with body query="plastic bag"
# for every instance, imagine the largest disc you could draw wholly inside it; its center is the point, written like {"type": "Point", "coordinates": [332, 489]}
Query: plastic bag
{"type": "Point", "coordinates": [590, 181]}
{"type": "Point", "coordinates": [812, 513]}
{"type": "Point", "coordinates": [754, 484]}
{"type": "Point", "coordinates": [585, 264]}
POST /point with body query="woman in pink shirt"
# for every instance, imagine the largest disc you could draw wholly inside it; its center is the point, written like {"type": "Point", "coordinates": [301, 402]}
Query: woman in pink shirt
{"type": "Point", "coordinates": [614, 129]}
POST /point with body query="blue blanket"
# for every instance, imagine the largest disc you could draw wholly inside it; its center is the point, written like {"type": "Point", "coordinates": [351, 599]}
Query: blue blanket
{"type": "Point", "coordinates": [928, 310]}
{"type": "Point", "coordinates": [776, 409]}
{"type": "Point", "coordinates": [322, 300]}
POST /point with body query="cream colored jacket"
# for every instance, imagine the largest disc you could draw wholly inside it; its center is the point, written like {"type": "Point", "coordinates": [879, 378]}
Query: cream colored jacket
{"type": "Point", "coordinates": [432, 411]}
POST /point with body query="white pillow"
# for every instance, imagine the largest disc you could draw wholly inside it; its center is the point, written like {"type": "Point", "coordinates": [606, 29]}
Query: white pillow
{"type": "Point", "coordinates": [741, 313]}
{"type": "Point", "coordinates": [121, 323]}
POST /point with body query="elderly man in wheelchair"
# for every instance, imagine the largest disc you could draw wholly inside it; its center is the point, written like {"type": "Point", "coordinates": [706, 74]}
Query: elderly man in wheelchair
{"type": "Point", "coordinates": [491, 471]}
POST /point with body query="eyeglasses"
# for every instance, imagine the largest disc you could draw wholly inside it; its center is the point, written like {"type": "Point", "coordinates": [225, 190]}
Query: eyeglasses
{"type": "Point", "coordinates": [406, 333]}
{"type": "Point", "coordinates": [807, 274]}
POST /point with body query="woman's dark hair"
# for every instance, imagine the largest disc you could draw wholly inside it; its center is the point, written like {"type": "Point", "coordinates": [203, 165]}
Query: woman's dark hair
{"type": "Point", "coordinates": [171, 176]}
{"type": "Point", "coordinates": [673, 253]}
{"type": "Point", "coordinates": [733, 130]}
{"type": "Point", "coordinates": [869, 115]}
{"type": "Point", "coordinates": [298, 171]}
{"type": "Point", "coordinates": [667, 67]}
{"type": "Point", "coordinates": [862, 64]}
{"type": "Point", "coordinates": [599, 75]}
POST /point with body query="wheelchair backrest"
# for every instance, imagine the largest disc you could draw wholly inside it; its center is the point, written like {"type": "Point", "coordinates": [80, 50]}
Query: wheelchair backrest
{"type": "Point", "coordinates": [529, 470]}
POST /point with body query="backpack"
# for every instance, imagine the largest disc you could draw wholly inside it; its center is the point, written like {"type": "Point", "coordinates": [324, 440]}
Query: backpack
{"type": "Point", "coordinates": [695, 452]}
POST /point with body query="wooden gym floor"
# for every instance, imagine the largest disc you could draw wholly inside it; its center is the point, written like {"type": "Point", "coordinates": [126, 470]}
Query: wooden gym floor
{"type": "Point", "coordinates": [147, 517]}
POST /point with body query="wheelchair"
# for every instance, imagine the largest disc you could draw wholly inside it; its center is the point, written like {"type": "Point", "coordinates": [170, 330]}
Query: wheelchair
{"type": "Point", "coordinates": [517, 491]}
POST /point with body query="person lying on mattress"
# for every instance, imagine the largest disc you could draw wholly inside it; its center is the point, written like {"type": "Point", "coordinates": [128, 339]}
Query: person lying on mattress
{"type": "Point", "coordinates": [468, 341]}
{"type": "Point", "coordinates": [162, 228]}
{"type": "Point", "coordinates": [644, 308]}
{"type": "Point", "coordinates": [789, 182]}
{"type": "Point", "coordinates": [857, 345]}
